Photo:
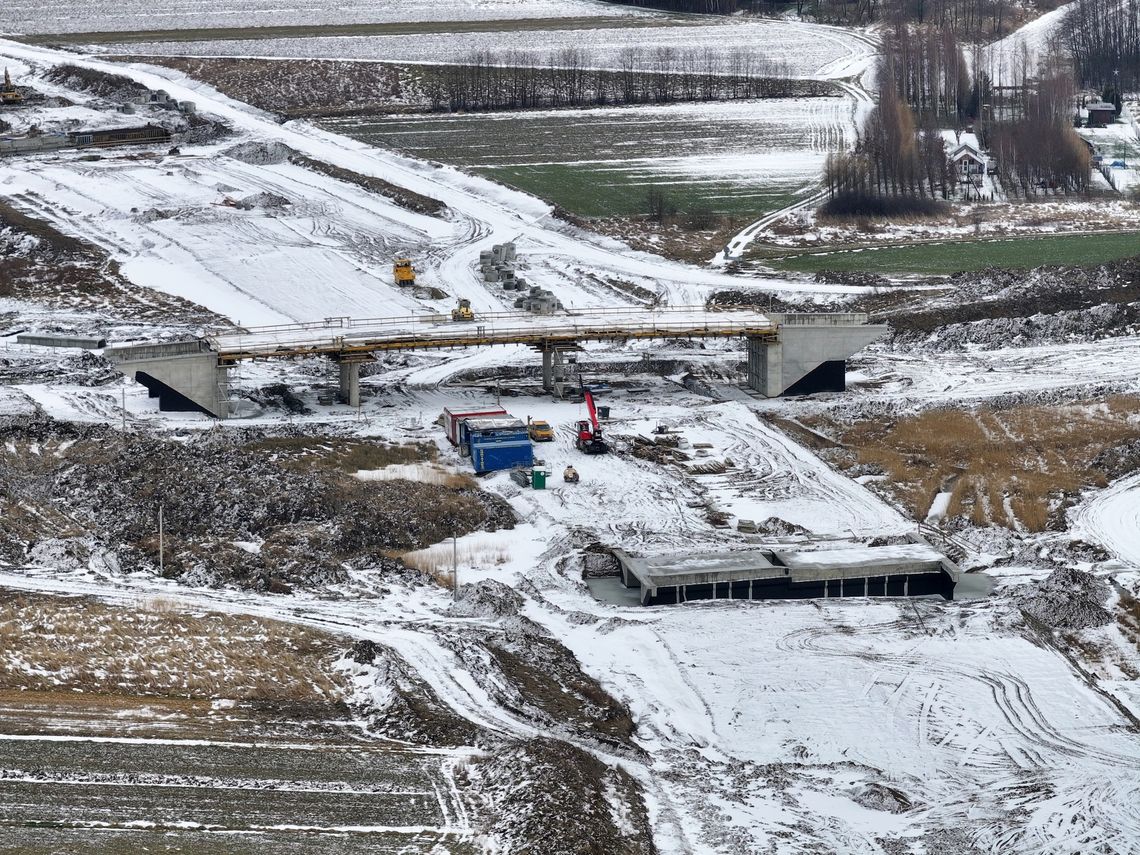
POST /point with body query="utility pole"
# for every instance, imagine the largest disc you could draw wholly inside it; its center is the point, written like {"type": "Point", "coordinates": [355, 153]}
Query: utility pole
{"type": "Point", "coordinates": [161, 550]}
{"type": "Point", "coordinates": [454, 569]}
{"type": "Point", "coordinates": [124, 391]}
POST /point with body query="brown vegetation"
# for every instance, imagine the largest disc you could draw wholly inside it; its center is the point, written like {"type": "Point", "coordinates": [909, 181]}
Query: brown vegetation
{"type": "Point", "coordinates": [52, 644]}
{"type": "Point", "coordinates": [258, 510]}
{"type": "Point", "coordinates": [1014, 467]}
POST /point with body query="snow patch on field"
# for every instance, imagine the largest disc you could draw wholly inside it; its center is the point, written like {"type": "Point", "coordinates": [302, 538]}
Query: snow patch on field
{"type": "Point", "coordinates": [77, 16]}
{"type": "Point", "coordinates": [798, 49]}
{"type": "Point", "coordinates": [1111, 517]}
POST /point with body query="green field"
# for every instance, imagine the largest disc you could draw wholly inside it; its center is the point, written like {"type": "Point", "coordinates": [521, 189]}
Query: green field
{"type": "Point", "coordinates": [598, 190]}
{"type": "Point", "coordinates": [957, 256]}
{"type": "Point", "coordinates": [740, 158]}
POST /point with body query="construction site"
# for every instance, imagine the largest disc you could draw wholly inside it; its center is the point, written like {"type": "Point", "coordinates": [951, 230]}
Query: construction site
{"type": "Point", "coordinates": [353, 501]}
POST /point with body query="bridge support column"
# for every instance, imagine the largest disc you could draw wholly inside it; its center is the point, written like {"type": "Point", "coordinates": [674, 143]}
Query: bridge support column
{"type": "Point", "coordinates": [555, 371]}
{"type": "Point", "coordinates": [548, 369]}
{"type": "Point", "coordinates": [349, 391]}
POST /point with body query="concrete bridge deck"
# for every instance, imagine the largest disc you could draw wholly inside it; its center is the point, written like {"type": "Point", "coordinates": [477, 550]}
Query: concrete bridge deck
{"type": "Point", "coordinates": [348, 336]}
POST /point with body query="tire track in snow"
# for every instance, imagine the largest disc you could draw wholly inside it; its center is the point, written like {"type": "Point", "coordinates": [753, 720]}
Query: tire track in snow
{"type": "Point", "coordinates": [1112, 519]}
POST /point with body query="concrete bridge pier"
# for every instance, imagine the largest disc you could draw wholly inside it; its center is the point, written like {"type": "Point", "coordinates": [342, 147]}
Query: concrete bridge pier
{"type": "Point", "coordinates": [348, 391]}
{"type": "Point", "coordinates": [556, 373]}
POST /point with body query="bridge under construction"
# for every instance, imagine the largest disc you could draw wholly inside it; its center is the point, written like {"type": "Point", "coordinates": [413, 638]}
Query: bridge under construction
{"type": "Point", "coordinates": [786, 353]}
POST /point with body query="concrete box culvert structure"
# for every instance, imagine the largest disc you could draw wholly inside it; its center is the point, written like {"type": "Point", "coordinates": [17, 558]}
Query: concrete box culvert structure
{"type": "Point", "coordinates": [903, 570]}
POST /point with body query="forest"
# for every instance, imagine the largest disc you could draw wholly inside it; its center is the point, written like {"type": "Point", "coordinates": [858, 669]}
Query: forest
{"type": "Point", "coordinates": [1104, 39]}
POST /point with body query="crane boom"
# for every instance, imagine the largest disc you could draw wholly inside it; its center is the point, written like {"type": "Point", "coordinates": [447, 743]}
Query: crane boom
{"type": "Point", "coordinates": [593, 412]}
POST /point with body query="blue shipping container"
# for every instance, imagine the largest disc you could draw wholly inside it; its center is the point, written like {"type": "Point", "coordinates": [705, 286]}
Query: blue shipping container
{"type": "Point", "coordinates": [500, 450]}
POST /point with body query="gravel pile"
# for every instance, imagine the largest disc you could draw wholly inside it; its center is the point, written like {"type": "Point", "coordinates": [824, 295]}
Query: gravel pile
{"type": "Point", "coordinates": [1068, 599]}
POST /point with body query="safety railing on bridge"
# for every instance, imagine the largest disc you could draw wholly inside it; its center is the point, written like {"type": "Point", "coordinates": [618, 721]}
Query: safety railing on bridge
{"type": "Point", "coordinates": [445, 333]}
{"type": "Point", "coordinates": [350, 323]}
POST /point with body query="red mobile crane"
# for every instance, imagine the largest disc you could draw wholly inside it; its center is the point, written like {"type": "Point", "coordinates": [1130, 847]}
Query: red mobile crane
{"type": "Point", "coordinates": [589, 439]}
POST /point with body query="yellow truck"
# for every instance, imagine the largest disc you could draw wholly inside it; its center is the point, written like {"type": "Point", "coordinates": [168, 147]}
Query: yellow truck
{"type": "Point", "coordinates": [540, 431]}
{"type": "Point", "coordinates": [404, 272]}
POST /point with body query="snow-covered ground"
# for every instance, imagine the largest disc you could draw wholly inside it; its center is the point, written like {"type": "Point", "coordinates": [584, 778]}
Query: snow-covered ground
{"type": "Point", "coordinates": [977, 375]}
{"type": "Point", "coordinates": [799, 49]}
{"type": "Point", "coordinates": [1014, 59]}
{"type": "Point", "coordinates": [78, 16]}
{"type": "Point", "coordinates": [1111, 517]}
{"type": "Point", "coordinates": [327, 253]}
{"type": "Point", "coordinates": [747, 153]}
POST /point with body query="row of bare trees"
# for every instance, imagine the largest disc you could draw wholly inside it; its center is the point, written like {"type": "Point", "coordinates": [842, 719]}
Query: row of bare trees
{"type": "Point", "coordinates": [1103, 37]}
{"type": "Point", "coordinates": [970, 20]}
{"type": "Point", "coordinates": [711, 7]}
{"type": "Point", "coordinates": [895, 155]}
{"type": "Point", "coordinates": [569, 78]}
{"type": "Point", "coordinates": [929, 71]}
{"type": "Point", "coordinates": [925, 86]}
{"type": "Point", "coordinates": [1039, 151]}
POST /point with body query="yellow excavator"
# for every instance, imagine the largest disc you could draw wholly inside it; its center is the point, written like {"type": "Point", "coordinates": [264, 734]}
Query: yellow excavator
{"type": "Point", "coordinates": [404, 272]}
{"type": "Point", "coordinates": [10, 94]}
{"type": "Point", "coordinates": [463, 312]}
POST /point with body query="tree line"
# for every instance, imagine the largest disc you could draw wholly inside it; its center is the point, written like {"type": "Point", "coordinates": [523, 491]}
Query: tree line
{"type": "Point", "coordinates": [926, 86]}
{"type": "Point", "coordinates": [710, 7]}
{"type": "Point", "coordinates": [1103, 37]}
{"type": "Point", "coordinates": [514, 80]}
{"type": "Point", "coordinates": [970, 20]}
{"type": "Point", "coordinates": [895, 156]}
{"type": "Point", "coordinates": [1039, 150]}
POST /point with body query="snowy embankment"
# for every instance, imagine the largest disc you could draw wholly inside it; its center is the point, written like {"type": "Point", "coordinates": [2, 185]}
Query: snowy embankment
{"type": "Point", "coordinates": [1014, 59]}
{"type": "Point", "coordinates": [789, 48]}
{"type": "Point", "coordinates": [1111, 517]}
{"type": "Point", "coordinates": [335, 244]}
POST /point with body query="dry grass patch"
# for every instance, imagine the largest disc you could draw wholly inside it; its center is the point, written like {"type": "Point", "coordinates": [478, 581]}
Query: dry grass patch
{"type": "Point", "coordinates": [420, 473]}
{"type": "Point", "coordinates": [437, 561]}
{"type": "Point", "coordinates": [158, 648]}
{"type": "Point", "coordinates": [1016, 467]}
{"type": "Point", "coordinates": [345, 455]}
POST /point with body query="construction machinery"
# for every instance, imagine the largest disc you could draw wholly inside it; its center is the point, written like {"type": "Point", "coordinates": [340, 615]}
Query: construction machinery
{"type": "Point", "coordinates": [570, 475]}
{"type": "Point", "coordinates": [590, 439]}
{"type": "Point", "coordinates": [539, 430]}
{"type": "Point", "coordinates": [404, 272]}
{"type": "Point", "coordinates": [10, 94]}
{"type": "Point", "coordinates": [463, 312]}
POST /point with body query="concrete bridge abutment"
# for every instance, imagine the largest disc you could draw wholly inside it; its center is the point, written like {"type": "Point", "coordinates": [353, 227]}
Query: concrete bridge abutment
{"type": "Point", "coordinates": [185, 376]}
{"type": "Point", "coordinates": [808, 353]}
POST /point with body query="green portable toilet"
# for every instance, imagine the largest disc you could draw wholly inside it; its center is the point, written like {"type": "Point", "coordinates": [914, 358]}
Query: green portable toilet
{"type": "Point", "coordinates": [538, 479]}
